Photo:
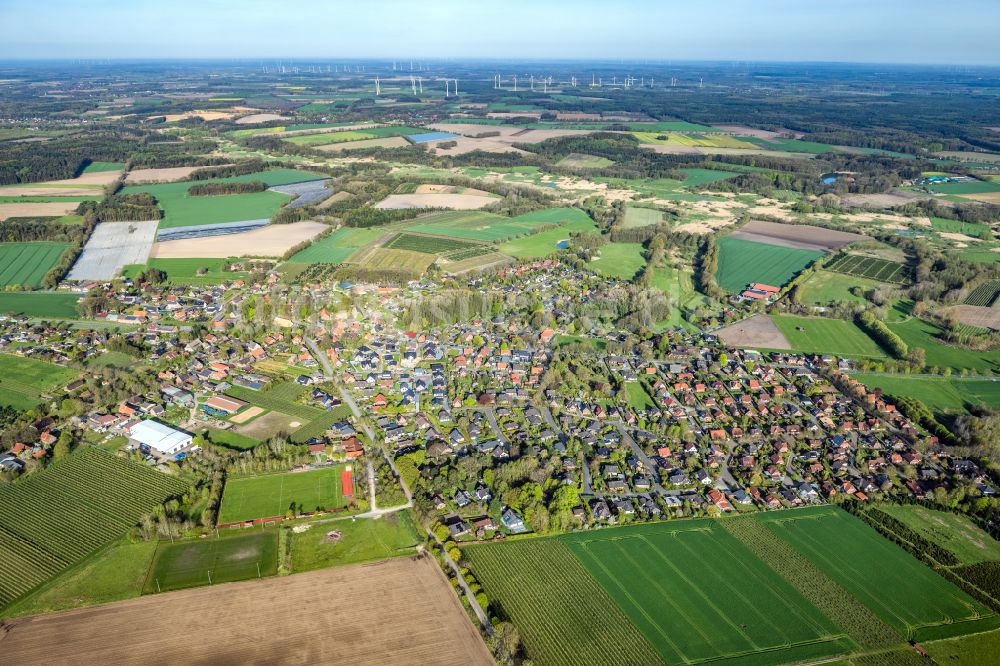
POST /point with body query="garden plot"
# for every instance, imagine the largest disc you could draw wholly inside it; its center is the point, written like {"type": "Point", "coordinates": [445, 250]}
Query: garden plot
{"type": "Point", "coordinates": [263, 241]}
{"type": "Point", "coordinates": [112, 246]}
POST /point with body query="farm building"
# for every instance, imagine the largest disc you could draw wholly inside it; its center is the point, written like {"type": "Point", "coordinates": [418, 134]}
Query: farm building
{"type": "Point", "coordinates": [155, 435]}
{"type": "Point", "coordinates": [224, 404]}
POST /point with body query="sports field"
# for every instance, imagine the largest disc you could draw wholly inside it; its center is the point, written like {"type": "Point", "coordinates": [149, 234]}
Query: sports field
{"type": "Point", "coordinates": [742, 262]}
{"type": "Point", "coordinates": [24, 380]}
{"type": "Point", "coordinates": [40, 304]}
{"type": "Point", "coordinates": [273, 495]}
{"type": "Point", "coordinates": [27, 263]}
{"type": "Point", "coordinates": [622, 260]}
{"type": "Point", "coordinates": [232, 556]}
{"type": "Point", "coordinates": [678, 592]}
{"type": "Point", "coordinates": [826, 336]}
{"type": "Point", "coordinates": [940, 394]}
{"type": "Point", "coordinates": [952, 531]}
{"type": "Point", "coordinates": [182, 210]}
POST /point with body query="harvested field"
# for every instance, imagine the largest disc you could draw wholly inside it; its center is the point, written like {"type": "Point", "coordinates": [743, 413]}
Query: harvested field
{"type": "Point", "coordinates": [386, 142]}
{"type": "Point", "coordinates": [43, 190]}
{"type": "Point", "coordinates": [986, 197]}
{"type": "Point", "coordinates": [390, 259]}
{"type": "Point", "coordinates": [539, 135]}
{"type": "Point", "coordinates": [266, 241]}
{"type": "Point", "coordinates": [757, 331]}
{"type": "Point", "coordinates": [483, 262]}
{"type": "Point", "coordinates": [269, 425]}
{"type": "Point", "coordinates": [55, 209]}
{"type": "Point", "coordinates": [802, 236]}
{"type": "Point", "coordinates": [476, 131]}
{"type": "Point", "coordinates": [255, 118]}
{"type": "Point", "coordinates": [402, 611]}
{"type": "Point", "coordinates": [112, 246]}
{"type": "Point", "coordinates": [465, 145]}
{"type": "Point", "coordinates": [978, 316]}
{"type": "Point", "coordinates": [453, 201]}
{"type": "Point", "coordinates": [166, 175]}
{"type": "Point", "coordinates": [743, 130]}
{"type": "Point", "coordinates": [887, 200]}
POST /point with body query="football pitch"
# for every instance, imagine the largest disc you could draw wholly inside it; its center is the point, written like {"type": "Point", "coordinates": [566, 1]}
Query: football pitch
{"type": "Point", "coordinates": [273, 494]}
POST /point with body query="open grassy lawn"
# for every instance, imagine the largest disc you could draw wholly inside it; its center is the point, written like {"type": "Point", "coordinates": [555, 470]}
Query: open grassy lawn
{"type": "Point", "coordinates": [973, 187]}
{"type": "Point", "coordinates": [273, 495]}
{"type": "Point", "coordinates": [952, 531]}
{"type": "Point", "coordinates": [231, 439]}
{"type": "Point", "coordinates": [824, 287]}
{"type": "Point", "coordinates": [897, 587]}
{"type": "Point", "coordinates": [115, 573]}
{"type": "Point", "coordinates": [940, 394]}
{"type": "Point", "coordinates": [742, 262]}
{"type": "Point", "coordinates": [233, 555]}
{"type": "Point", "coordinates": [361, 540]}
{"type": "Point", "coordinates": [181, 210]}
{"type": "Point", "coordinates": [919, 333]}
{"type": "Point", "coordinates": [622, 260]}
{"type": "Point", "coordinates": [641, 217]}
{"type": "Point", "coordinates": [679, 592]}
{"type": "Point", "coordinates": [965, 650]}
{"type": "Point", "coordinates": [476, 225]}
{"type": "Point", "coordinates": [819, 335]}
{"type": "Point", "coordinates": [338, 246]}
{"type": "Point", "coordinates": [24, 380]}
{"type": "Point", "coordinates": [188, 271]}
{"type": "Point", "coordinates": [40, 304]}
{"type": "Point", "coordinates": [27, 263]}
{"type": "Point", "coordinates": [637, 397]}
{"type": "Point", "coordinates": [705, 176]}
{"type": "Point", "coordinates": [544, 243]}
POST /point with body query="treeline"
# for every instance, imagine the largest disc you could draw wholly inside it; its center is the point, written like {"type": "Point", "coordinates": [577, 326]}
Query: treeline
{"type": "Point", "coordinates": [378, 275]}
{"type": "Point", "coordinates": [374, 217]}
{"type": "Point", "coordinates": [917, 411]}
{"type": "Point", "coordinates": [630, 159]}
{"type": "Point", "coordinates": [706, 267]}
{"type": "Point", "coordinates": [451, 306]}
{"type": "Point", "coordinates": [974, 213]}
{"type": "Point", "coordinates": [897, 532]}
{"type": "Point", "coordinates": [215, 189]}
{"type": "Point", "coordinates": [29, 229]}
{"type": "Point", "coordinates": [882, 334]}
{"type": "Point", "coordinates": [122, 208]}
{"type": "Point", "coordinates": [231, 170]}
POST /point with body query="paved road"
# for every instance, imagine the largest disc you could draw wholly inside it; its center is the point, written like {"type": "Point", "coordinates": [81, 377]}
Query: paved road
{"type": "Point", "coordinates": [491, 415]}
{"type": "Point", "coordinates": [588, 484]}
{"type": "Point", "coordinates": [641, 455]}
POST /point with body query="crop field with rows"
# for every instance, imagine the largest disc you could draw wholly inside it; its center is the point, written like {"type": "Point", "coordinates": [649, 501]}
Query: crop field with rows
{"type": "Point", "coordinates": [872, 268]}
{"type": "Point", "coordinates": [984, 295]}
{"type": "Point", "coordinates": [428, 244]}
{"type": "Point", "coordinates": [61, 515]}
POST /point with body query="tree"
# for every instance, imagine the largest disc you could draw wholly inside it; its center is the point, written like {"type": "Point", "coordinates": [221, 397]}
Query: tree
{"type": "Point", "coordinates": [63, 445]}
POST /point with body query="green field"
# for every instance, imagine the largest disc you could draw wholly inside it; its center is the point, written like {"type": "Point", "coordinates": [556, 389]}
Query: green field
{"type": "Point", "coordinates": [940, 394]}
{"type": "Point", "coordinates": [872, 268]}
{"type": "Point", "coordinates": [621, 260]}
{"type": "Point", "coordinates": [362, 540]}
{"type": "Point", "coordinates": [965, 650]}
{"type": "Point", "coordinates": [958, 227]}
{"type": "Point", "coordinates": [181, 209]}
{"type": "Point", "coordinates": [57, 517]}
{"type": "Point", "coordinates": [823, 287]}
{"type": "Point", "coordinates": [272, 495]}
{"type": "Point", "coordinates": [114, 573]}
{"type": "Point", "coordinates": [893, 584]}
{"type": "Point", "coordinates": [233, 555]}
{"type": "Point", "coordinates": [705, 176]}
{"type": "Point", "coordinates": [279, 397]}
{"type": "Point", "coordinates": [27, 263]}
{"type": "Point", "coordinates": [974, 187]}
{"type": "Point", "coordinates": [795, 146]}
{"type": "Point", "coordinates": [353, 135]}
{"type": "Point", "coordinates": [96, 167]}
{"type": "Point", "coordinates": [186, 271]}
{"type": "Point", "coordinates": [819, 335]}
{"type": "Point", "coordinates": [919, 333]}
{"type": "Point", "coordinates": [23, 380]}
{"type": "Point", "coordinates": [641, 217]}
{"type": "Point", "coordinates": [231, 440]}
{"type": "Point", "coordinates": [742, 262]}
{"type": "Point", "coordinates": [38, 304]}
{"type": "Point", "coordinates": [953, 531]}
{"type": "Point", "coordinates": [544, 243]}
{"type": "Point", "coordinates": [429, 244]}
{"type": "Point", "coordinates": [474, 225]}
{"type": "Point", "coordinates": [688, 591]}
{"type": "Point", "coordinates": [338, 246]}
{"type": "Point", "coordinates": [637, 397]}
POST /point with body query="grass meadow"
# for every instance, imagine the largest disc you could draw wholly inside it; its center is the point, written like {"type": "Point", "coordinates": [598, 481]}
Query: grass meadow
{"type": "Point", "coordinates": [27, 263]}
{"type": "Point", "coordinates": [742, 262]}
{"type": "Point", "coordinates": [818, 335]}
{"type": "Point", "coordinates": [271, 495]}
{"type": "Point", "coordinates": [24, 380]}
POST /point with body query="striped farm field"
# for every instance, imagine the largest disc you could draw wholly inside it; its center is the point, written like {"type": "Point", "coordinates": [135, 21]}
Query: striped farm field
{"type": "Point", "coordinates": [742, 262]}
{"type": "Point", "coordinates": [474, 225]}
{"type": "Point", "coordinates": [57, 517]}
{"type": "Point", "coordinates": [657, 589]}
{"type": "Point", "coordinates": [872, 268]}
{"type": "Point", "coordinates": [27, 263]}
{"type": "Point", "coordinates": [24, 380]}
{"type": "Point", "coordinates": [984, 295]}
{"type": "Point", "coordinates": [429, 244]}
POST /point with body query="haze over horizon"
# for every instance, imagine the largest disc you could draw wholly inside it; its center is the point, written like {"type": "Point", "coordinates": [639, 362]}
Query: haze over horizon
{"type": "Point", "coordinates": [892, 32]}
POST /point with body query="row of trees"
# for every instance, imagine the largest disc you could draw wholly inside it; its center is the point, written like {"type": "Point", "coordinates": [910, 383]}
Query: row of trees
{"type": "Point", "coordinates": [215, 189]}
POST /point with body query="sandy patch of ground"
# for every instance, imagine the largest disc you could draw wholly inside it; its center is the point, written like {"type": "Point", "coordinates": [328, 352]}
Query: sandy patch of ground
{"type": "Point", "coordinates": [204, 115]}
{"type": "Point", "coordinates": [706, 226]}
{"type": "Point", "coordinates": [465, 145]}
{"type": "Point", "coordinates": [42, 191]}
{"type": "Point", "coordinates": [962, 238]}
{"type": "Point", "coordinates": [473, 130]}
{"type": "Point", "coordinates": [402, 611]}
{"type": "Point", "coordinates": [974, 315]}
{"type": "Point", "coordinates": [272, 240]}
{"type": "Point", "coordinates": [757, 331]}
{"type": "Point", "coordinates": [267, 426]}
{"type": "Point", "coordinates": [245, 416]}
{"type": "Point", "coordinates": [167, 175]}
{"type": "Point", "coordinates": [987, 197]}
{"type": "Point", "coordinates": [454, 201]}
{"type": "Point", "coordinates": [887, 200]}
{"type": "Point", "coordinates": [386, 142]}
{"type": "Point", "coordinates": [255, 118]}
{"type": "Point", "coordinates": [539, 135]}
{"type": "Point", "coordinates": [37, 209]}
{"type": "Point", "coordinates": [796, 235]}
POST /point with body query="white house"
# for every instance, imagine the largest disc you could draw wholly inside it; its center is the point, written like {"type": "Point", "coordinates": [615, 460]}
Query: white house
{"type": "Point", "coordinates": [155, 435]}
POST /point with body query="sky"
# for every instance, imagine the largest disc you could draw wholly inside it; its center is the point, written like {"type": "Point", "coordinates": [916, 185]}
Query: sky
{"type": "Point", "coordinates": [883, 31]}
